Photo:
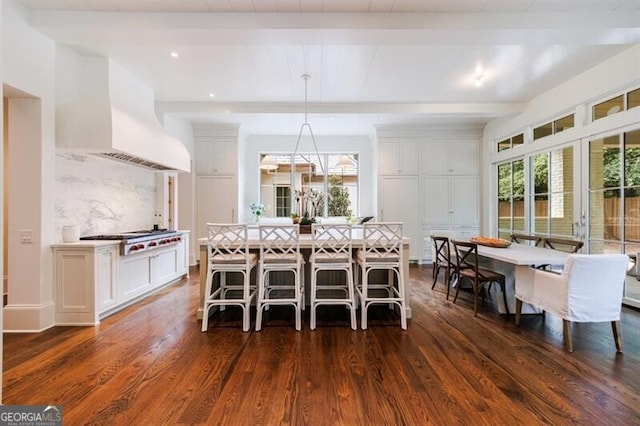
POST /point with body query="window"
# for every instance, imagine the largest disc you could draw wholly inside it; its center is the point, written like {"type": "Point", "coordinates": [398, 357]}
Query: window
{"type": "Point", "coordinates": [614, 194]}
{"type": "Point", "coordinates": [553, 127]}
{"type": "Point", "coordinates": [510, 198]}
{"type": "Point", "coordinates": [608, 107]}
{"type": "Point", "coordinates": [633, 98]}
{"type": "Point", "coordinates": [512, 142]}
{"type": "Point", "coordinates": [616, 104]}
{"type": "Point", "coordinates": [310, 186]}
{"type": "Point", "coordinates": [542, 131]}
{"type": "Point", "coordinates": [552, 193]}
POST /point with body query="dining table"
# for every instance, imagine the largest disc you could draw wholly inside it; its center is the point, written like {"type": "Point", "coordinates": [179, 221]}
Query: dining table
{"type": "Point", "coordinates": [515, 262]}
{"type": "Point", "coordinates": [306, 244]}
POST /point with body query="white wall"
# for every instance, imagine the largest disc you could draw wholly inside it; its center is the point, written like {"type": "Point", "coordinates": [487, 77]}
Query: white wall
{"type": "Point", "coordinates": [183, 131]}
{"type": "Point", "coordinates": [28, 65]}
{"type": "Point", "coordinates": [252, 146]}
{"type": "Point", "coordinates": [1, 210]}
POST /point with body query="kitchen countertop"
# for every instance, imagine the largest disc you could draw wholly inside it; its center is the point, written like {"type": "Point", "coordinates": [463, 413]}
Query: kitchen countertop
{"type": "Point", "coordinates": [94, 243]}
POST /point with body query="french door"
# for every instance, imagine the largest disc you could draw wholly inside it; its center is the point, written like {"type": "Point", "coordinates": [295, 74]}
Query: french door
{"type": "Point", "coordinates": [611, 166]}
{"type": "Point", "coordinates": [587, 189]}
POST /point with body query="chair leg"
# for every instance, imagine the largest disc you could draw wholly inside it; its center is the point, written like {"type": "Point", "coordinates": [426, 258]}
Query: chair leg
{"type": "Point", "coordinates": [617, 334]}
{"type": "Point", "coordinates": [436, 269]}
{"type": "Point", "coordinates": [458, 285]}
{"type": "Point", "coordinates": [447, 280]}
{"type": "Point", "coordinates": [314, 278]}
{"type": "Point", "coordinates": [566, 334]}
{"type": "Point", "coordinates": [518, 310]}
{"type": "Point", "coordinates": [504, 297]}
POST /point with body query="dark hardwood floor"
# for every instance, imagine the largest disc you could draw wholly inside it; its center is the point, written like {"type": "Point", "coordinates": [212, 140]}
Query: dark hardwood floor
{"type": "Point", "coordinates": [150, 364]}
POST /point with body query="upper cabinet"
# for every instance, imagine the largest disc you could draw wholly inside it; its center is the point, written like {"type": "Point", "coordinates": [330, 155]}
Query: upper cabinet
{"type": "Point", "coordinates": [450, 158]}
{"type": "Point", "coordinates": [399, 157]}
{"type": "Point", "coordinates": [216, 156]}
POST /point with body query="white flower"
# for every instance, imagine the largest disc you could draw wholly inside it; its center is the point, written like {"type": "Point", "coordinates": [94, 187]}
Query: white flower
{"type": "Point", "coordinates": [257, 208]}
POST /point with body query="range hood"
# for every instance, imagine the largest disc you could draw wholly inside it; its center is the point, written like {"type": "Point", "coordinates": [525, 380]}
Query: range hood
{"type": "Point", "coordinates": [104, 110]}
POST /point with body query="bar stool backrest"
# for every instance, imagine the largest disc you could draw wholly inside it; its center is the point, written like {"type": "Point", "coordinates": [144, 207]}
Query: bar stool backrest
{"type": "Point", "coordinates": [331, 243]}
{"type": "Point", "coordinates": [382, 241]}
{"type": "Point", "coordinates": [279, 243]}
{"type": "Point", "coordinates": [227, 243]}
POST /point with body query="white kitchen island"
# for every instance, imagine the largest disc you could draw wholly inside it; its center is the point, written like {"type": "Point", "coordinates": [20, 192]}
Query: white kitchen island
{"type": "Point", "coordinates": [306, 242]}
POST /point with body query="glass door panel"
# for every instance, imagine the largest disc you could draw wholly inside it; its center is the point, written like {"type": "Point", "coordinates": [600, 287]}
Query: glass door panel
{"type": "Point", "coordinates": [614, 202]}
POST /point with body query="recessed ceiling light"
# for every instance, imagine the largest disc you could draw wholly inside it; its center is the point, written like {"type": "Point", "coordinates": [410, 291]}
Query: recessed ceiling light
{"type": "Point", "coordinates": [212, 95]}
{"type": "Point", "coordinates": [174, 54]}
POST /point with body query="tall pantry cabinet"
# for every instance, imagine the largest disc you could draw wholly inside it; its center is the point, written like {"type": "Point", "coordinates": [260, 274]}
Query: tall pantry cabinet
{"type": "Point", "coordinates": [429, 183]}
{"type": "Point", "coordinates": [216, 166]}
{"type": "Point", "coordinates": [450, 189]}
{"type": "Point", "coordinates": [399, 185]}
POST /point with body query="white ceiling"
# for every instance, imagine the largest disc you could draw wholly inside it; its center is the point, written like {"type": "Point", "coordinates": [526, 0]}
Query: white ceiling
{"type": "Point", "coordinates": [389, 62]}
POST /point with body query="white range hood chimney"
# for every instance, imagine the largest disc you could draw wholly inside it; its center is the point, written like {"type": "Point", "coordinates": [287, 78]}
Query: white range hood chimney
{"type": "Point", "coordinates": [102, 109]}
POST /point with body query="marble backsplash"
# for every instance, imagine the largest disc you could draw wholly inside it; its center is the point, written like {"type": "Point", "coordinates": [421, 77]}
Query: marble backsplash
{"type": "Point", "coordinates": [102, 196]}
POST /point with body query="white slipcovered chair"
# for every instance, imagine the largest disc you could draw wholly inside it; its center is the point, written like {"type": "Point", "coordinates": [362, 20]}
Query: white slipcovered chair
{"type": "Point", "coordinates": [589, 289]}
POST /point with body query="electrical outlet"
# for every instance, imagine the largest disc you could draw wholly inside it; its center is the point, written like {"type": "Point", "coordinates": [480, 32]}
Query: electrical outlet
{"type": "Point", "coordinates": [26, 236]}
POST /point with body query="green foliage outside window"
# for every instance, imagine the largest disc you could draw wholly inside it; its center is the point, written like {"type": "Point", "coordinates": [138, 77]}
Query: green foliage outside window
{"type": "Point", "coordinates": [339, 203]}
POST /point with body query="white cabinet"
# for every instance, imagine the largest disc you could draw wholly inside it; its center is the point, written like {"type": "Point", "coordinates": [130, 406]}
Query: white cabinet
{"type": "Point", "coordinates": [399, 157]}
{"type": "Point", "coordinates": [93, 281]}
{"type": "Point", "coordinates": [450, 189]}
{"type": "Point", "coordinates": [216, 156]}
{"type": "Point", "coordinates": [135, 276]}
{"type": "Point", "coordinates": [450, 199]}
{"type": "Point", "coordinates": [217, 201]}
{"type": "Point", "coordinates": [85, 280]}
{"type": "Point", "coordinates": [398, 203]}
{"type": "Point", "coordinates": [450, 157]}
{"type": "Point", "coordinates": [107, 277]}
{"type": "Point", "coordinates": [142, 272]}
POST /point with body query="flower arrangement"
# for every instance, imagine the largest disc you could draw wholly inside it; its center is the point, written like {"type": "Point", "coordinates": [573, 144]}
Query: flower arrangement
{"type": "Point", "coordinates": [257, 209]}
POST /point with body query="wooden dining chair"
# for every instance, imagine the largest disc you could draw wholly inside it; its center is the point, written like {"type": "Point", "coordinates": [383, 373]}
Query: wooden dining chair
{"type": "Point", "coordinates": [443, 261]}
{"type": "Point", "coordinates": [526, 239]}
{"type": "Point", "coordinates": [563, 244]}
{"type": "Point", "coordinates": [469, 268]}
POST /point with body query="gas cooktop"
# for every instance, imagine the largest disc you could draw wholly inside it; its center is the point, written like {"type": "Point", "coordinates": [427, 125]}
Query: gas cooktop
{"type": "Point", "coordinates": [130, 235]}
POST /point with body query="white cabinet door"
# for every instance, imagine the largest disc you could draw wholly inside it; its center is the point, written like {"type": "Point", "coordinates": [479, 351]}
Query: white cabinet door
{"type": "Point", "coordinates": [217, 201]}
{"type": "Point", "coordinates": [216, 156]}
{"type": "Point", "coordinates": [399, 158]}
{"type": "Point", "coordinates": [464, 200]}
{"type": "Point", "coordinates": [106, 277]}
{"type": "Point", "coordinates": [435, 158]}
{"type": "Point", "coordinates": [399, 203]}
{"type": "Point", "coordinates": [450, 158]}
{"type": "Point", "coordinates": [182, 255]}
{"type": "Point", "coordinates": [450, 199]}
{"type": "Point", "coordinates": [135, 276]}
{"type": "Point", "coordinates": [464, 158]}
{"type": "Point", "coordinates": [435, 199]}
{"type": "Point", "coordinates": [164, 266]}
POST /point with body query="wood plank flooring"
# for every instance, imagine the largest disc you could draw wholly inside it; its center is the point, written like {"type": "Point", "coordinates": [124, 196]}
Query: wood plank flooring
{"type": "Point", "coordinates": [150, 364]}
